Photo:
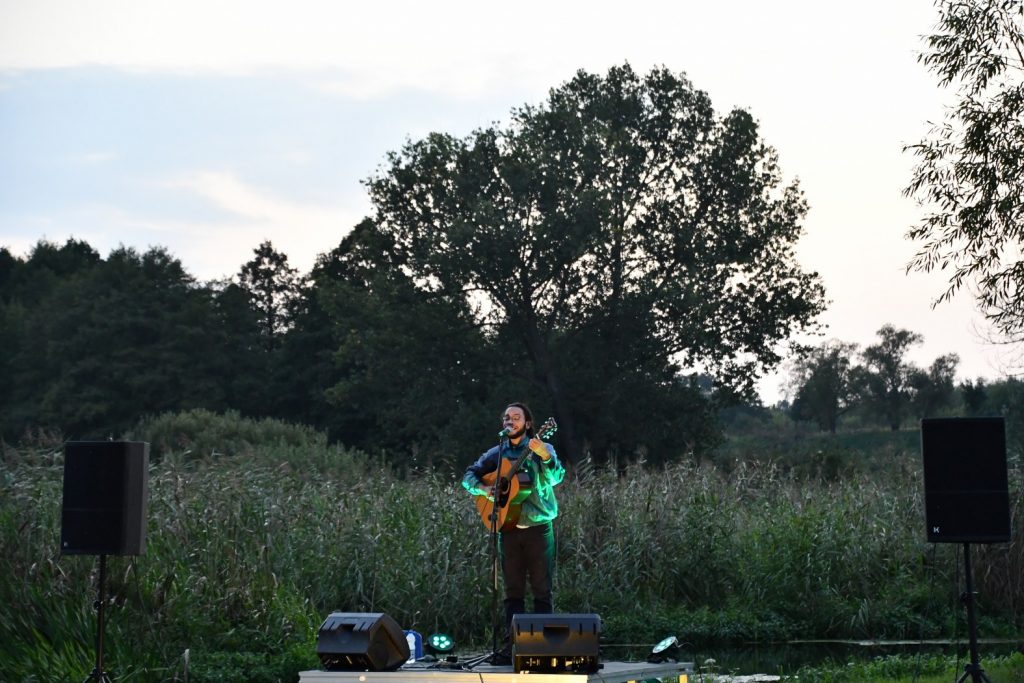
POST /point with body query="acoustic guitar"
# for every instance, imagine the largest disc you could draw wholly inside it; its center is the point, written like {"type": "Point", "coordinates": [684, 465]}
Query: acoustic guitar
{"type": "Point", "coordinates": [509, 487]}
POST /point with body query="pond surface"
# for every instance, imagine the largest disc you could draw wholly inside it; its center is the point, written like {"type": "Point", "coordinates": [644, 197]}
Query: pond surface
{"type": "Point", "coordinates": [774, 658]}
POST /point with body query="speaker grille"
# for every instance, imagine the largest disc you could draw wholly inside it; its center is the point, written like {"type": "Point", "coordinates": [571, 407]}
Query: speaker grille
{"type": "Point", "coordinates": [106, 492]}
{"type": "Point", "coordinates": [967, 496]}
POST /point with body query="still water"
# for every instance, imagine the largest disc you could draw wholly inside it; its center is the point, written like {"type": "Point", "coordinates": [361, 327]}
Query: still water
{"type": "Point", "coordinates": [789, 657]}
{"type": "Point", "coordinates": [775, 658]}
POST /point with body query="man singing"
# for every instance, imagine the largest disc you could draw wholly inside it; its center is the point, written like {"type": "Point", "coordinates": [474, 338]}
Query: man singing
{"type": "Point", "coordinates": [527, 550]}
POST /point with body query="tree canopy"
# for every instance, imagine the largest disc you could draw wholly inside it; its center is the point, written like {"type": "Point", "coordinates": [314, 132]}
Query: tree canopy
{"type": "Point", "coordinates": [826, 383]}
{"type": "Point", "coordinates": [822, 383]}
{"type": "Point", "coordinates": [273, 287]}
{"type": "Point", "coordinates": [97, 343]}
{"type": "Point", "coordinates": [620, 223]}
{"type": "Point", "coordinates": [970, 171]}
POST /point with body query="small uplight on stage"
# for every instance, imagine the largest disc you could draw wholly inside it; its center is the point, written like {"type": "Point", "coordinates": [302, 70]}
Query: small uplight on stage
{"type": "Point", "coordinates": [440, 644]}
{"type": "Point", "coordinates": [667, 649]}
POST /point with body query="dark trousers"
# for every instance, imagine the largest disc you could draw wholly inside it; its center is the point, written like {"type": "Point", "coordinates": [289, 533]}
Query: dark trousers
{"type": "Point", "coordinates": [527, 555]}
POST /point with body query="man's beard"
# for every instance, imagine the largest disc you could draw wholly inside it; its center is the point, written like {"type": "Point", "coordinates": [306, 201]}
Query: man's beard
{"type": "Point", "coordinates": [516, 435]}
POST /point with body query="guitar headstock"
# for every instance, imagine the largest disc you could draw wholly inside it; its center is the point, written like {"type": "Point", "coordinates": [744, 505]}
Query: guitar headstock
{"type": "Point", "coordinates": [546, 430]}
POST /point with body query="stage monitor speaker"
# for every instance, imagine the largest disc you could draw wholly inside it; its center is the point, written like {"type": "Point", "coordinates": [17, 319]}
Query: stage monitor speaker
{"type": "Point", "coordinates": [967, 497]}
{"type": "Point", "coordinates": [352, 641]}
{"type": "Point", "coordinates": [556, 643]}
{"type": "Point", "coordinates": [106, 492]}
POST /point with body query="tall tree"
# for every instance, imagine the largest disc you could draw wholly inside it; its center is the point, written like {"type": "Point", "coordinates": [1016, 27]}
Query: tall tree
{"type": "Point", "coordinates": [622, 210]}
{"type": "Point", "coordinates": [412, 368]}
{"type": "Point", "coordinates": [821, 380]}
{"type": "Point", "coordinates": [8, 265]}
{"type": "Point", "coordinates": [274, 287]}
{"type": "Point", "coordinates": [974, 394]}
{"type": "Point", "coordinates": [1006, 398]}
{"type": "Point", "coordinates": [885, 379]}
{"type": "Point", "coordinates": [26, 290]}
{"type": "Point", "coordinates": [970, 173]}
{"type": "Point", "coordinates": [934, 388]}
{"type": "Point", "coordinates": [246, 364]}
{"type": "Point", "coordinates": [304, 367]}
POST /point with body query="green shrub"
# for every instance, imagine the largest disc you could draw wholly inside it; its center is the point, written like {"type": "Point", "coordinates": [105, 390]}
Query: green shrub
{"type": "Point", "coordinates": [198, 434]}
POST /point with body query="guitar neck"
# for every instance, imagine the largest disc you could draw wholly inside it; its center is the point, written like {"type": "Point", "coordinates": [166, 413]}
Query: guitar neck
{"type": "Point", "coordinates": [522, 458]}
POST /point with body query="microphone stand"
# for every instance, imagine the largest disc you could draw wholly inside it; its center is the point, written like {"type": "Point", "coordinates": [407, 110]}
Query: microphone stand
{"type": "Point", "coordinates": [493, 518]}
{"type": "Point", "coordinates": [495, 617]}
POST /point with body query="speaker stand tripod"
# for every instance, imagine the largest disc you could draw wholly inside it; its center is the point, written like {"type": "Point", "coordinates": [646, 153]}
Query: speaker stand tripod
{"type": "Point", "coordinates": [98, 674]}
{"type": "Point", "coordinates": [973, 671]}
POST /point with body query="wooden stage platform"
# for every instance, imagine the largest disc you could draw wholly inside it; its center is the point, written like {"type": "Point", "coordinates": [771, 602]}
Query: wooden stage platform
{"type": "Point", "coordinates": [418, 672]}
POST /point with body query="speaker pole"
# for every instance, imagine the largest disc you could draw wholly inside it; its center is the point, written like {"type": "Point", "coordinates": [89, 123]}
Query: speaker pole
{"type": "Point", "coordinates": [972, 670]}
{"type": "Point", "coordinates": [98, 674]}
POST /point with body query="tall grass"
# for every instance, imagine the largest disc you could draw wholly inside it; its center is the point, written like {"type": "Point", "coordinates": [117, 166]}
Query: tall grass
{"type": "Point", "coordinates": [247, 553]}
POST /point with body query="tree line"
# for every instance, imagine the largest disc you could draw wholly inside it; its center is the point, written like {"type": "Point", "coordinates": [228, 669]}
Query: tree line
{"type": "Point", "coordinates": [620, 255]}
{"type": "Point", "coordinates": [93, 344]}
{"type": "Point", "coordinates": [595, 255]}
{"type": "Point", "coordinates": [837, 386]}
{"type": "Point", "coordinates": [878, 385]}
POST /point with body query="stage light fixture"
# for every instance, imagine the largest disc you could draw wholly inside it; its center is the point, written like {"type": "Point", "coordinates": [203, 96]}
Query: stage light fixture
{"type": "Point", "coordinates": [440, 644]}
{"type": "Point", "coordinates": [665, 649]}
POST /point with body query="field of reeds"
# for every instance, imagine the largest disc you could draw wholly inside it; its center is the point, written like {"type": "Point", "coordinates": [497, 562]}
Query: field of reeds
{"type": "Point", "coordinates": [255, 536]}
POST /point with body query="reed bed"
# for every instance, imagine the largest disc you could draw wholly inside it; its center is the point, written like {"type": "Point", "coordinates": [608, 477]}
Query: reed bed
{"type": "Point", "coordinates": [246, 554]}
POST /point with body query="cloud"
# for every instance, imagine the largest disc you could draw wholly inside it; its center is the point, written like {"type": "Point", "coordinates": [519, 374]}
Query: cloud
{"type": "Point", "coordinates": [226, 191]}
{"type": "Point", "coordinates": [211, 246]}
{"type": "Point", "coordinates": [450, 46]}
{"type": "Point", "coordinates": [458, 47]}
{"type": "Point", "coordinates": [300, 230]}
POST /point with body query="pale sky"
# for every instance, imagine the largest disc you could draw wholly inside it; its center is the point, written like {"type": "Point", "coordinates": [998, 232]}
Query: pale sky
{"type": "Point", "coordinates": [207, 127]}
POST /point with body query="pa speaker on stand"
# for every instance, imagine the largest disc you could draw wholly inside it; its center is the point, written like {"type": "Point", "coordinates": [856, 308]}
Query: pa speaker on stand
{"type": "Point", "coordinates": [967, 497]}
{"type": "Point", "coordinates": [106, 492]}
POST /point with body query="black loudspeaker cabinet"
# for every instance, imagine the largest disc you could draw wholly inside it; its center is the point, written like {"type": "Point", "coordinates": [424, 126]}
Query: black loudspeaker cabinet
{"type": "Point", "coordinates": [967, 497]}
{"type": "Point", "coordinates": [106, 492]}
{"type": "Point", "coordinates": [356, 641]}
{"type": "Point", "coordinates": [556, 643]}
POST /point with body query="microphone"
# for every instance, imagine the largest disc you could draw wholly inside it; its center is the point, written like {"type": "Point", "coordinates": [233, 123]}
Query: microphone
{"type": "Point", "coordinates": [504, 432]}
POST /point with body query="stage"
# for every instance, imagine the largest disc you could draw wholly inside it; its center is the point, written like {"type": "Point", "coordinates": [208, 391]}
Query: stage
{"type": "Point", "coordinates": [419, 672]}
